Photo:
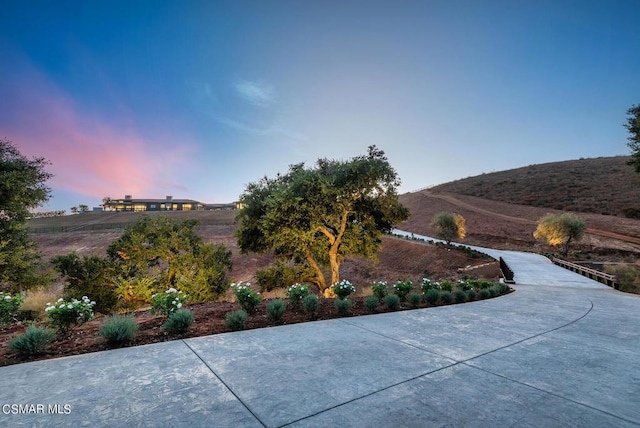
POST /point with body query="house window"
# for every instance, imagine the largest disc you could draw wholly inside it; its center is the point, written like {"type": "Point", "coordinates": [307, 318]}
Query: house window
{"type": "Point", "coordinates": [186, 207]}
{"type": "Point", "coordinates": [139, 207]}
{"type": "Point", "coordinates": [153, 206]}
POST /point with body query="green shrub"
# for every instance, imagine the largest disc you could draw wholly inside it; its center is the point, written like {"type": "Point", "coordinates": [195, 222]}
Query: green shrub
{"type": "Point", "coordinates": [392, 302]}
{"type": "Point", "coordinates": [432, 296]}
{"type": "Point", "coordinates": [343, 306]}
{"type": "Point", "coordinates": [275, 309]}
{"type": "Point", "coordinates": [493, 291]}
{"type": "Point", "coordinates": [33, 342]}
{"type": "Point", "coordinates": [310, 303]}
{"type": "Point", "coordinates": [297, 292]}
{"type": "Point", "coordinates": [460, 296]}
{"type": "Point", "coordinates": [169, 301]}
{"type": "Point", "coordinates": [179, 322]}
{"type": "Point", "coordinates": [628, 277]}
{"type": "Point", "coordinates": [502, 287]}
{"type": "Point", "coordinates": [446, 285]}
{"type": "Point", "coordinates": [88, 276]}
{"type": "Point", "coordinates": [463, 285]}
{"type": "Point", "coordinates": [63, 314]}
{"type": "Point", "coordinates": [9, 306]}
{"type": "Point", "coordinates": [479, 284]}
{"type": "Point", "coordinates": [118, 329]}
{"type": "Point", "coordinates": [402, 289]}
{"type": "Point", "coordinates": [343, 289]}
{"type": "Point", "coordinates": [446, 297]}
{"type": "Point", "coordinates": [484, 293]}
{"type": "Point", "coordinates": [279, 275]}
{"type": "Point", "coordinates": [427, 285]}
{"type": "Point", "coordinates": [415, 299]}
{"type": "Point", "coordinates": [371, 303]}
{"type": "Point", "coordinates": [235, 320]}
{"type": "Point", "coordinates": [246, 296]}
{"type": "Point", "coordinates": [471, 295]}
{"type": "Point", "coordinates": [380, 289]}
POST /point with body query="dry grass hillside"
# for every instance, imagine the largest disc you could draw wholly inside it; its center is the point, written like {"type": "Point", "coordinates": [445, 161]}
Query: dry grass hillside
{"type": "Point", "coordinates": [603, 185]}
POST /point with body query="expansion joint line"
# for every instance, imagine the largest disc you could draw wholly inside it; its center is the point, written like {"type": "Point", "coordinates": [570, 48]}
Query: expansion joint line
{"type": "Point", "coordinates": [224, 383]}
{"type": "Point", "coordinates": [455, 363]}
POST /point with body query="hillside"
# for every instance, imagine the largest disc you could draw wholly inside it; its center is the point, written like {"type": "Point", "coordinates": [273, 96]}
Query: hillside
{"type": "Point", "coordinates": [600, 186]}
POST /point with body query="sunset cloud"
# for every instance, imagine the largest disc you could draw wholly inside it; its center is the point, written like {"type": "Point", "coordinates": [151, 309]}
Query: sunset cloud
{"type": "Point", "coordinates": [88, 155]}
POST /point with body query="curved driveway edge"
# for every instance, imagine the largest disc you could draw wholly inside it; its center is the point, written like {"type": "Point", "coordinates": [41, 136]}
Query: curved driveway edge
{"type": "Point", "coordinates": [545, 355]}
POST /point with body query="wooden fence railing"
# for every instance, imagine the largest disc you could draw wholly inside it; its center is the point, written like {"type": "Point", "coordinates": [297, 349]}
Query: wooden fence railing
{"type": "Point", "coordinates": [605, 278]}
{"type": "Point", "coordinates": [507, 273]}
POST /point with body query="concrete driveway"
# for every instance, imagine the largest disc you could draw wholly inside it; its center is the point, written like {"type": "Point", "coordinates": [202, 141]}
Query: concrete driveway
{"type": "Point", "coordinates": [560, 351]}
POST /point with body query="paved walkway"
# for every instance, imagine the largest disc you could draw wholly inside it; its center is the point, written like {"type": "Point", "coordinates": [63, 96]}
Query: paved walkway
{"type": "Point", "coordinates": [560, 351]}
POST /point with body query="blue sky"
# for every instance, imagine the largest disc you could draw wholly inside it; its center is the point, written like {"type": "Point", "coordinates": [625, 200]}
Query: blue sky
{"type": "Point", "coordinates": [196, 99]}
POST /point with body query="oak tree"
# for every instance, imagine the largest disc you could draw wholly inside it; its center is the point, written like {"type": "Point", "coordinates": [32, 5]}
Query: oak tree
{"type": "Point", "coordinates": [317, 216]}
{"type": "Point", "coordinates": [449, 226]}
{"type": "Point", "coordinates": [22, 188]}
{"type": "Point", "coordinates": [560, 229]}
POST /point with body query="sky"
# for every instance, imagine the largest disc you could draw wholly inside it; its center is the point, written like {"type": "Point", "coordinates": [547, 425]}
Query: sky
{"type": "Point", "coordinates": [196, 99]}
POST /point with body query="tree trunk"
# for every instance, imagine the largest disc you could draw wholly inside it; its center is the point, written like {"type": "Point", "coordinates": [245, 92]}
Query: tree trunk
{"type": "Point", "coordinates": [334, 260]}
{"type": "Point", "coordinates": [322, 283]}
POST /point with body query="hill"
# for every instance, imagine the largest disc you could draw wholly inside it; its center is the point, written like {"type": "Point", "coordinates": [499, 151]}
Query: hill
{"type": "Point", "coordinates": [603, 185]}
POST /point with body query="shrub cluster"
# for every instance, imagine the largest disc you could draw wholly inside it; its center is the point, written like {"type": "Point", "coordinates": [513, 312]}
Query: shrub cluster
{"type": "Point", "coordinates": [235, 320]}
{"type": "Point", "coordinates": [179, 321]}
{"type": "Point", "coordinates": [432, 296]}
{"type": "Point", "coordinates": [118, 329]}
{"type": "Point", "coordinates": [169, 301]}
{"type": "Point", "coordinates": [275, 309]}
{"type": "Point", "coordinates": [343, 289]}
{"type": "Point", "coordinates": [343, 306]}
{"type": "Point", "coordinates": [310, 303]}
{"type": "Point", "coordinates": [372, 303]}
{"type": "Point", "coordinates": [402, 289]}
{"type": "Point", "coordinates": [380, 289]}
{"type": "Point", "coordinates": [33, 342]}
{"type": "Point", "coordinates": [415, 299]}
{"type": "Point", "coordinates": [246, 296]}
{"type": "Point", "coordinates": [392, 302]}
{"type": "Point", "coordinates": [64, 314]}
{"type": "Point", "coordinates": [297, 292]}
{"type": "Point", "coordinates": [9, 306]}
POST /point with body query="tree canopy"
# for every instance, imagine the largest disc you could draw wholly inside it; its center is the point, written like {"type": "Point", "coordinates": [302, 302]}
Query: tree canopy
{"type": "Point", "coordinates": [449, 226]}
{"type": "Point", "coordinates": [633, 126]}
{"type": "Point", "coordinates": [22, 188]}
{"type": "Point", "coordinates": [317, 216]}
{"type": "Point", "coordinates": [560, 229]}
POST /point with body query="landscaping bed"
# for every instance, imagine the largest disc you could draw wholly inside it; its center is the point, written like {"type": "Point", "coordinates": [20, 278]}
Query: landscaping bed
{"type": "Point", "coordinates": [209, 319]}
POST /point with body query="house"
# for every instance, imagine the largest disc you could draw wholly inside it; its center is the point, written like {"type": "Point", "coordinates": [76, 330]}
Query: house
{"type": "Point", "coordinates": [167, 204]}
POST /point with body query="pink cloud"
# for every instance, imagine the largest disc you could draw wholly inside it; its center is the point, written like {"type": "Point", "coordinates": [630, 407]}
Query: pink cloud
{"type": "Point", "coordinates": [89, 155]}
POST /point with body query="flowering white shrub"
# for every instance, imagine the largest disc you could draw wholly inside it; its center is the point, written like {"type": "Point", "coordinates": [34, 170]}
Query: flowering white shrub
{"type": "Point", "coordinates": [63, 314]}
{"type": "Point", "coordinates": [402, 289]}
{"type": "Point", "coordinates": [343, 289]}
{"type": "Point", "coordinates": [297, 292]}
{"type": "Point", "coordinates": [9, 306]}
{"type": "Point", "coordinates": [246, 296]}
{"type": "Point", "coordinates": [380, 289]}
{"type": "Point", "coordinates": [169, 301]}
